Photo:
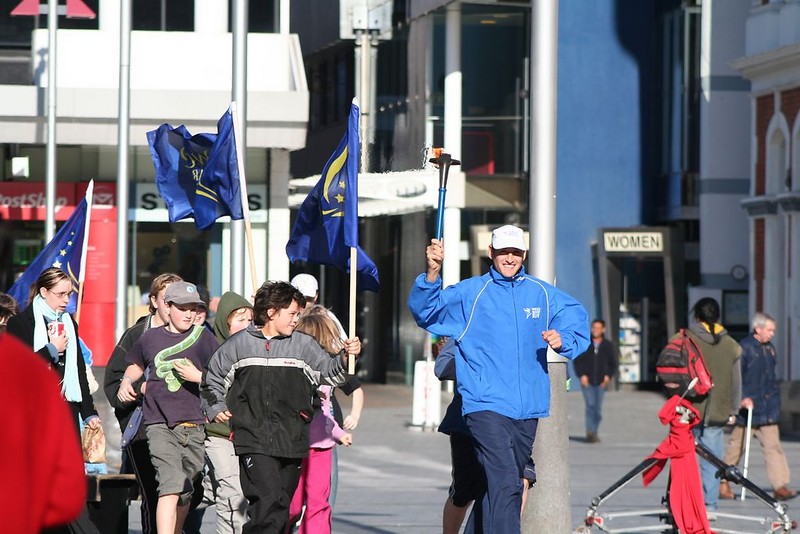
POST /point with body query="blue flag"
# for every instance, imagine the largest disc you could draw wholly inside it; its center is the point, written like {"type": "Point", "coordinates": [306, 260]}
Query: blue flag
{"type": "Point", "coordinates": [197, 175]}
{"type": "Point", "coordinates": [327, 222]}
{"type": "Point", "coordinates": [64, 252]}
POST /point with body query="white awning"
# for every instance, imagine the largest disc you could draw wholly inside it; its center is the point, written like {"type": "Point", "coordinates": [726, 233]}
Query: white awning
{"type": "Point", "coordinates": [398, 193]}
{"type": "Point", "coordinates": [391, 193]}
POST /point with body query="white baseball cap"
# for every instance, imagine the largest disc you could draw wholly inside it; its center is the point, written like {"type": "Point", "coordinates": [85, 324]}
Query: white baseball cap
{"type": "Point", "coordinates": [508, 236]}
{"type": "Point", "coordinates": [306, 284]}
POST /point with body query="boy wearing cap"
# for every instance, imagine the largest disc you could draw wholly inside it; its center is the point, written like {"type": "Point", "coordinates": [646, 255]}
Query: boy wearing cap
{"type": "Point", "coordinates": [503, 323]}
{"type": "Point", "coordinates": [174, 355]}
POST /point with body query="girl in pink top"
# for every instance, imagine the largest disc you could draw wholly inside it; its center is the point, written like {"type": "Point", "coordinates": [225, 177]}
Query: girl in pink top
{"type": "Point", "coordinates": [314, 486]}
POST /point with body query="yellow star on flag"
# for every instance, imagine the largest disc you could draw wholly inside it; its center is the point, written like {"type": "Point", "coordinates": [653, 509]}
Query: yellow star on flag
{"type": "Point", "coordinates": [63, 252]}
{"type": "Point", "coordinates": [57, 264]}
{"type": "Point", "coordinates": [339, 198]}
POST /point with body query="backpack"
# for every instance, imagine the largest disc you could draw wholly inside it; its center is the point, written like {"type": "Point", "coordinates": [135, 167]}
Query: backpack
{"type": "Point", "coordinates": [680, 362]}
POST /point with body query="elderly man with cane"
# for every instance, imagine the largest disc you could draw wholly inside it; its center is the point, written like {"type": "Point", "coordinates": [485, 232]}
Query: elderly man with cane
{"type": "Point", "coordinates": [761, 393]}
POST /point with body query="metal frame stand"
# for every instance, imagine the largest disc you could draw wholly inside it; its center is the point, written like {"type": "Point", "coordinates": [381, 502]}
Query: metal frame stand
{"type": "Point", "coordinates": [780, 525]}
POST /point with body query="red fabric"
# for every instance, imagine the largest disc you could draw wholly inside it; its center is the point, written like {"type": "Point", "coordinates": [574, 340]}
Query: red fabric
{"type": "Point", "coordinates": [44, 484]}
{"type": "Point", "coordinates": [685, 489]}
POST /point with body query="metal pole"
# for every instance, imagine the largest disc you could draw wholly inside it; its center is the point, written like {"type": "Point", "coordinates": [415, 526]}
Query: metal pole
{"type": "Point", "coordinates": [239, 95]}
{"type": "Point", "coordinates": [50, 182]}
{"type": "Point", "coordinates": [362, 57]}
{"type": "Point", "coordinates": [451, 270]}
{"type": "Point", "coordinates": [123, 142]}
{"type": "Point", "coordinates": [548, 508]}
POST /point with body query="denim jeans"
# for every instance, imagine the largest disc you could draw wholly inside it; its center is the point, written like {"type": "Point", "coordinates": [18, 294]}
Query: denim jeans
{"type": "Point", "coordinates": [711, 437]}
{"type": "Point", "coordinates": [593, 397]}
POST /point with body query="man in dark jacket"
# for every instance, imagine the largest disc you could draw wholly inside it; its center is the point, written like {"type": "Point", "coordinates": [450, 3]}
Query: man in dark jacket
{"type": "Point", "coordinates": [595, 367]}
{"type": "Point", "coordinates": [760, 386]}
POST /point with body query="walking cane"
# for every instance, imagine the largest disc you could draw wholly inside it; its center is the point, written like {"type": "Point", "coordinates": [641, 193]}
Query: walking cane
{"type": "Point", "coordinates": [747, 445]}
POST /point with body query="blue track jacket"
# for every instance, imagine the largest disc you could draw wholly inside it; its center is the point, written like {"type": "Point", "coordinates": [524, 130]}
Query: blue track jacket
{"type": "Point", "coordinates": [497, 323]}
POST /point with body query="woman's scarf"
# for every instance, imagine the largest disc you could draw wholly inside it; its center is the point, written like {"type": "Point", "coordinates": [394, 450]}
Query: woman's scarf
{"type": "Point", "coordinates": [70, 386]}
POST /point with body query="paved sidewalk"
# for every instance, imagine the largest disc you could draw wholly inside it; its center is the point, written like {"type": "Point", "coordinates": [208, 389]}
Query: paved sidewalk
{"type": "Point", "coordinates": [394, 479]}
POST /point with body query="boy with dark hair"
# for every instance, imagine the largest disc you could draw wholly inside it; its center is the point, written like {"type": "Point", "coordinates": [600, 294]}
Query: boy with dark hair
{"type": "Point", "coordinates": [263, 381]}
{"type": "Point", "coordinates": [174, 355]}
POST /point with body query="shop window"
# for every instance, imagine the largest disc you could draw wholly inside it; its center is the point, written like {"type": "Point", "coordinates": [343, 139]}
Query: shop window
{"type": "Point", "coordinates": [163, 15]}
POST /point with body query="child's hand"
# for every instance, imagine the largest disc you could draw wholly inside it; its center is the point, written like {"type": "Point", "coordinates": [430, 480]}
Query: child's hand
{"type": "Point", "coordinates": [346, 440]}
{"type": "Point", "coordinates": [126, 393]}
{"type": "Point", "coordinates": [223, 417]}
{"type": "Point", "coordinates": [186, 370]}
{"type": "Point", "coordinates": [353, 346]}
{"type": "Point", "coordinates": [350, 422]}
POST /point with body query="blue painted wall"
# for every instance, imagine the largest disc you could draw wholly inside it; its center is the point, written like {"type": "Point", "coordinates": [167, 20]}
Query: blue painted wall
{"type": "Point", "coordinates": [605, 125]}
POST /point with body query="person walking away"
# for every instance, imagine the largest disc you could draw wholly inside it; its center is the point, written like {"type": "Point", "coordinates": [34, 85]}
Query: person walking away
{"type": "Point", "coordinates": [595, 368]}
{"type": "Point", "coordinates": [717, 409]}
{"type": "Point", "coordinates": [263, 381]}
{"type": "Point", "coordinates": [468, 483]}
{"type": "Point", "coordinates": [174, 356]}
{"type": "Point", "coordinates": [503, 322]}
{"type": "Point", "coordinates": [44, 484]}
{"type": "Point", "coordinates": [761, 389]}
{"type": "Point", "coordinates": [314, 486]}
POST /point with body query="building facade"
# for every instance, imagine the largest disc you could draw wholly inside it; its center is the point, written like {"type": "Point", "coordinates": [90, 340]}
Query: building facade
{"type": "Point", "coordinates": [771, 61]}
{"type": "Point", "coordinates": [180, 73]}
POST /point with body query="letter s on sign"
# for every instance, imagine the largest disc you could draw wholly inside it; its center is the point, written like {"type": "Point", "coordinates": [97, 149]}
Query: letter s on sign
{"type": "Point", "coordinates": [149, 201]}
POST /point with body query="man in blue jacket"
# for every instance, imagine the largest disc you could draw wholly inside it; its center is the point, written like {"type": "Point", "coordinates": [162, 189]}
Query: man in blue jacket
{"type": "Point", "coordinates": [503, 323]}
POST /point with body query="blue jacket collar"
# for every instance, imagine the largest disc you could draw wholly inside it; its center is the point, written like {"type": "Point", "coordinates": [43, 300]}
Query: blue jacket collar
{"type": "Point", "coordinates": [499, 278]}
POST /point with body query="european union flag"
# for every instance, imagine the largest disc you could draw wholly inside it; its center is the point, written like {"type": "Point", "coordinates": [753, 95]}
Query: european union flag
{"type": "Point", "coordinates": [327, 222]}
{"type": "Point", "coordinates": [64, 252]}
{"type": "Point", "coordinates": [197, 175]}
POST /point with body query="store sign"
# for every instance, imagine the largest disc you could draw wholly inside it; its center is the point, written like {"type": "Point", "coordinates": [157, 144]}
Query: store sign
{"type": "Point", "coordinates": [27, 201]}
{"type": "Point", "coordinates": [150, 207]}
{"type": "Point", "coordinates": [633, 241]}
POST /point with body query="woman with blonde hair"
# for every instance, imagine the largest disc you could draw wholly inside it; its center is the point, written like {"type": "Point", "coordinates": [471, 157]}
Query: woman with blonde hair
{"type": "Point", "coordinates": [50, 331]}
{"type": "Point", "coordinates": [314, 486]}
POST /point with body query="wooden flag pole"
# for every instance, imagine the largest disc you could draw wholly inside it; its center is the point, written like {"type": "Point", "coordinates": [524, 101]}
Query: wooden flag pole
{"type": "Point", "coordinates": [248, 228]}
{"type": "Point", "coordinates": [351, 360]}
{"type": "Point", "coordinates": [84, 248]}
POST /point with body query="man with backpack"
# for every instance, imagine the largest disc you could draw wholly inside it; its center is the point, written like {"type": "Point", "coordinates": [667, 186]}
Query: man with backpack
{"type": "Point", "coordinates": [719, 407]}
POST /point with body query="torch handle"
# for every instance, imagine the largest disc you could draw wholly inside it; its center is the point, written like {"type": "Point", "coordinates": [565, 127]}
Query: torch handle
{"type": "Point", "coordinates": [440, 214]}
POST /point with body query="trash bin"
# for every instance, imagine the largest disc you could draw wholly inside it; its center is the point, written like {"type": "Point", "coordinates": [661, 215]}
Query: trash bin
{"type": "Point", "coordinates": [108, 498]}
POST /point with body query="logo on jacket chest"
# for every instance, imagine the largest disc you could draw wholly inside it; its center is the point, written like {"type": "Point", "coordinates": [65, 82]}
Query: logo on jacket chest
{"type": "Point", "coordinates": [532, 313]}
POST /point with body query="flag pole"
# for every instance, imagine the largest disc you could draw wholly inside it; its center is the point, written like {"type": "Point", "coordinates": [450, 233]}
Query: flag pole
{"type": "Point", "coordinates": [248, 229]}
{"type": "Point", "coordinates": [84, 248]}
{"type": "Point", "coordinates": [351, 361]}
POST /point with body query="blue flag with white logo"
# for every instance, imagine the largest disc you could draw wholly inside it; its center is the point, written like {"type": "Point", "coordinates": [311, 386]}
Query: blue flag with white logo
{"type": "Point", "coordinates": [197, 175]}
{"type": "Point", "coordinates": [327, 222]}
{"type": "Point", "coordinates": [64, 252]}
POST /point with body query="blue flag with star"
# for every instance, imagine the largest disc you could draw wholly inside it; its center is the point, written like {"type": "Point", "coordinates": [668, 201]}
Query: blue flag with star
{"type": "Point", "coordinates": [327, 222]}
{"type": "Point", "coordinates": [64, 252]}
{"type": "Point", "coordinates": [197, 175]}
